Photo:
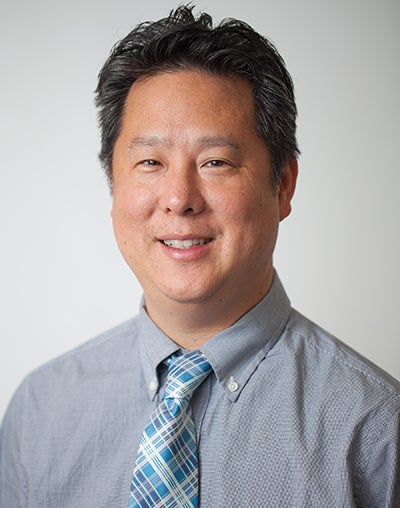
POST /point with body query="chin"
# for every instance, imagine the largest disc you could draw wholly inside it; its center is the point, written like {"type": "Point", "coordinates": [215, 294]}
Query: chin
{"type": "Point", "coordinates": [186, 298]}
{"type": "Point", "coordinates": [188, 295]}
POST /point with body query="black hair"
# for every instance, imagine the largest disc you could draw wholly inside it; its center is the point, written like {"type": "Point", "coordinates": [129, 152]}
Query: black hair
{"type": "Point", "coordinates": [181, 42]}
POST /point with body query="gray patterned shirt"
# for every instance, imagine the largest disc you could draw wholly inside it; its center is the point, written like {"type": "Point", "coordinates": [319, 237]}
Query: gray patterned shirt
{"type": "Point", "coordinates": [289, 417]}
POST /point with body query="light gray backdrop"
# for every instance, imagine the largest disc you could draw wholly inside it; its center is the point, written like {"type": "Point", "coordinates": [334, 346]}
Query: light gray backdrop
{"type": "Point", "coordinates": [62, 278]}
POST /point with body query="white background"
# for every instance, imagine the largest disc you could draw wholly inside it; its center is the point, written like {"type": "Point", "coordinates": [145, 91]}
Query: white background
{"type": "Point", "coordinates": [62, 279]}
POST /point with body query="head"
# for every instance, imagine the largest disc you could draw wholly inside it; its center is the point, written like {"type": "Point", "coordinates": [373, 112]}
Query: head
{"type": "Point", "coordinates": [199, 146]}
{"type": "Point", "coordinates": [183, 42]}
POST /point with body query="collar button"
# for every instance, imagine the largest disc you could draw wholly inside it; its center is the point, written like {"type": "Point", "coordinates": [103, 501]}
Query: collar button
{"type": "Point", "coordinates": [232, 385]}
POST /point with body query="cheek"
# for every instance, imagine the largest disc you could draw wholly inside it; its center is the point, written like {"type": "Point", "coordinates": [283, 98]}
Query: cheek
{"type": "Point", "coordinates": [131, 205]}
{"type": "Point", "coordinates": [253, 206]}
{"type": "Point", "coordinates": [128, 216]}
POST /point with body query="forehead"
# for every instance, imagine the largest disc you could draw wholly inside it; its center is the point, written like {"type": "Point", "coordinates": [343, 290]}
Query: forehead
{"type": "Point", "coordinates": [191, 98]}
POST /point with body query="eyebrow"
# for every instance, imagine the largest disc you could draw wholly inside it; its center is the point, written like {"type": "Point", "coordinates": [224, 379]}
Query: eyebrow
{"type": "Point", "coordinates": [149, 141]}
{"type": "Point", "coordinates": [205, 141]}
{"type": "Point", "coordinates": [215, 141]}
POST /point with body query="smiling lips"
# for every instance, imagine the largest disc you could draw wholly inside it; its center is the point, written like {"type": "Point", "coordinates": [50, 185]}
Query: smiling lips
{"type": "Point", "coordinates": [187, 243]}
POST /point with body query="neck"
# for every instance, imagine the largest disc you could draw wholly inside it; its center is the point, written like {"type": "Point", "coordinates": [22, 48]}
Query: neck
{"type": "Point", "coordinates": [190, 324]}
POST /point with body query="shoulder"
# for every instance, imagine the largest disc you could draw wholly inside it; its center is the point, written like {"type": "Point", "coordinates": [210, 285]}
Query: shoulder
{"type": "Point", "coordinates": [83, 368]}
{"type": "Point", "coordinates": [107, 347]}
{"type": "Point", "coordinates": [58, 405]}
{"type": "Point", "coordinates": [341, 370]}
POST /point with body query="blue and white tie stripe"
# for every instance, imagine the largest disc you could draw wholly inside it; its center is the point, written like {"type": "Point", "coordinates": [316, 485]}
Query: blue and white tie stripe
{"type": "Point", "coordinates": [166, 472]}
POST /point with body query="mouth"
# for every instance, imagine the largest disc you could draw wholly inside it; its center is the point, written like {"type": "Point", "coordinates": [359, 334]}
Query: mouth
{"type": "Point", "coordinates": [187, 243]}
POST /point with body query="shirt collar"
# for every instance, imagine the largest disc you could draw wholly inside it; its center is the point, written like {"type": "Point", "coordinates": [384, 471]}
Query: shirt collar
{"type": "Point", "coordinates": [234, 353]}
{"type": "Point", "coordinates": [154, 347]}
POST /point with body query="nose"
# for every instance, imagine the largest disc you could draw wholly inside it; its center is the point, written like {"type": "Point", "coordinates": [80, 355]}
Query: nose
{"type": "Point", "coordinates": [181, 192]}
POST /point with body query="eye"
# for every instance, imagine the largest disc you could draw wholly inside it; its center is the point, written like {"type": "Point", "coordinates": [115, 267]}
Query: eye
{"type": "Point", "coordinates": [149, 165]}
{"type": "Point", "coordinates": [150, 162]}
{"type": "Point", "coordinates": [219, 167]}
{"type": "Point", "coordinates": [216, 163]}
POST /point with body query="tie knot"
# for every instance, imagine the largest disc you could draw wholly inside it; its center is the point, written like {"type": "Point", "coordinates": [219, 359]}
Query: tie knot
{"type": "Point", "coordinates": [185, 374]}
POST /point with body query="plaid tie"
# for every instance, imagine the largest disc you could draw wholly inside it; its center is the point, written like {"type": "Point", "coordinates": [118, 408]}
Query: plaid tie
{"type": "Point", "coordinates": [166, 473]}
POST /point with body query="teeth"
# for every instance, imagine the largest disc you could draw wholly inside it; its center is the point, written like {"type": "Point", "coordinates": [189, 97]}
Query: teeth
{"type": "Point", "coordinates": [185, 244]}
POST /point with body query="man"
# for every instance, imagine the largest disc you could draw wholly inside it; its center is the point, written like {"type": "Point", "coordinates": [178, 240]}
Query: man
{"type": "Point", "coordinates": [198, 142]}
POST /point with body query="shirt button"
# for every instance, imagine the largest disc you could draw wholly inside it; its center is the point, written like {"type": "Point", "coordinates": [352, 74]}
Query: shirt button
{"type": "Point", "coordinates": [232, 386]}
{"type": "Point", "coordinates": [153, 385]}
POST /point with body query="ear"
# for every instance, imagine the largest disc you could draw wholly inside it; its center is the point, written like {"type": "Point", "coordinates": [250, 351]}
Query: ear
{"type": "Point", "coordinates": [286, 188]}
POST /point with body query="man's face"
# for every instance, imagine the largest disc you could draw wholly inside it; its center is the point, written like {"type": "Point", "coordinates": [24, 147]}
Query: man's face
{"type": "Point", "coordinates": [194, 211]}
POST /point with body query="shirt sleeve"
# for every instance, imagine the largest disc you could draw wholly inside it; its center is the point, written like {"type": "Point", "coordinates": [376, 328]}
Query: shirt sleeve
{"type": "Point", "coordinates": [381, 486]}
{"type": "Point", "coordinates": [13, 479]}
